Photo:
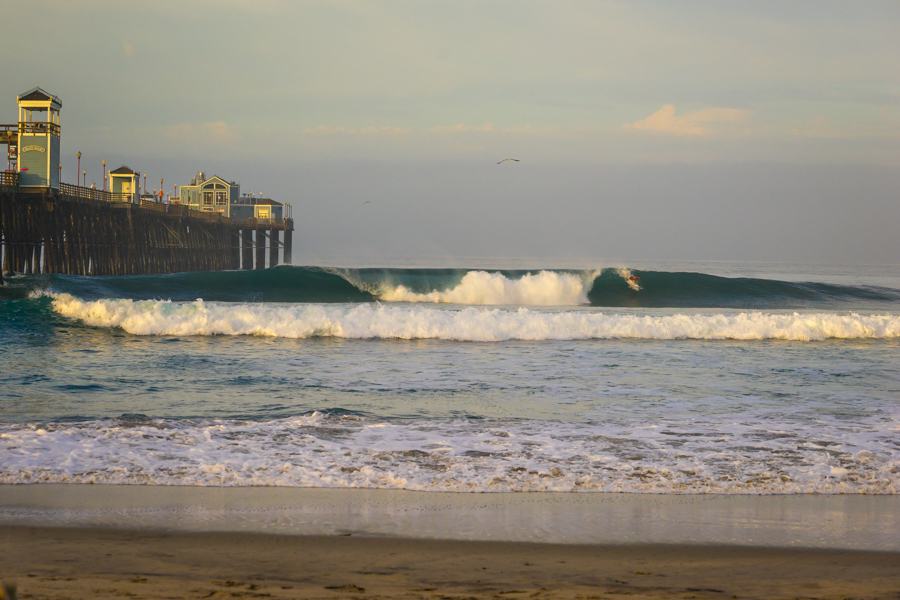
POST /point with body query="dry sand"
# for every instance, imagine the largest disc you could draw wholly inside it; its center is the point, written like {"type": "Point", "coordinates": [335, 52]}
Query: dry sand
{"type": "Point", "coordinates": [104, 563]}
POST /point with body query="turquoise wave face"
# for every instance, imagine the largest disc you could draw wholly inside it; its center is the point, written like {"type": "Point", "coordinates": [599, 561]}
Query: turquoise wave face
{"type": "Point", "coordinates": [281, 284]}
{"type": "Point", "coordinates": [699, 290]}
{"type": "Point", "coordinates": [606, 288]}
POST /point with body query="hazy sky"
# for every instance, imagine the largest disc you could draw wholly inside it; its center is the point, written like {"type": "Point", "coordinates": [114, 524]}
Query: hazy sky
{"type": "Point", "coordinates": [646, 130]}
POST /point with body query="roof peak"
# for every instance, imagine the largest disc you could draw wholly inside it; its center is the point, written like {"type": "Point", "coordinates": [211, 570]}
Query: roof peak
{"type": "Point", "coordinates": [37, 93]}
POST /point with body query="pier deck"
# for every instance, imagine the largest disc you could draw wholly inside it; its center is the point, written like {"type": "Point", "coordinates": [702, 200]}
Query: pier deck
{"type": "Point", "coordinates": [82, 231]}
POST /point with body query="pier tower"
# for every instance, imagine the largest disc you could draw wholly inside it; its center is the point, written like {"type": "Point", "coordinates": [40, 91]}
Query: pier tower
{"type": "Point", "coordinates": [38, 140]}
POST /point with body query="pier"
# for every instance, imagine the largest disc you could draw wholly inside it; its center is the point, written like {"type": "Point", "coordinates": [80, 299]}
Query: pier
{"type": "Point", "coordinates": [47, 226]}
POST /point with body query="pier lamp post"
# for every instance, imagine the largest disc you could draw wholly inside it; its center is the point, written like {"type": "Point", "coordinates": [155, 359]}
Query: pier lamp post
{"type": "Point", "coordinates": [145, 183]}
{"type": "Point", "coordinates": [104, 175]}
{"type": "Point", "coordinates": [60, 172]}
{"type": "Point", "coordinates": [84, 177]}
{"type": "Point", "coordinates": [78, 172]}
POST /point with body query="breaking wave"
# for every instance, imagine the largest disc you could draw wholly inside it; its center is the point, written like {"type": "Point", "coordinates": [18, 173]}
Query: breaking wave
{"type": "Point", "coordinates": [618, 287]}
{"type": "Point", "coordinates": [545, 288]}
{"type": "Point", "coordinates": [373, 320]}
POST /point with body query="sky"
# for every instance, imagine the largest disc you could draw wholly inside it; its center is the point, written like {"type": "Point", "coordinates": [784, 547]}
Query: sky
{"type": "Point", "coordinates": [645, 130]}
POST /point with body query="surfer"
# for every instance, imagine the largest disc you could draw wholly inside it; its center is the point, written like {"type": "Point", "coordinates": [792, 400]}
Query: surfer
{"type": "Point", "coordinates": [634, 279]}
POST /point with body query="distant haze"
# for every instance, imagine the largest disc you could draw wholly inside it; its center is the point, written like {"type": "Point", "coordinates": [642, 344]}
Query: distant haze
{"type": "Point", "coordinates": [645, 130]}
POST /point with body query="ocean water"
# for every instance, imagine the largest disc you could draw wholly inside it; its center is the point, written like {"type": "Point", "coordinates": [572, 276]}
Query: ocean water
{"type": "Point", "coordinates": [689, 378]}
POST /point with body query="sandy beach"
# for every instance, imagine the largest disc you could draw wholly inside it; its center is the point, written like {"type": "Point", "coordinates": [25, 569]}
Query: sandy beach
{"type": "Point", "coordinates": [78, 541]}
{"type": "Point", "coordinates": [102, 563]}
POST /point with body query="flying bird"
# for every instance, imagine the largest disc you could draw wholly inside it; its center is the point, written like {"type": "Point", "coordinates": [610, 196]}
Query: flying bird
{"type": "Point", "coordinates": [507, 160]}
{"type": "Point", "coordinates": [367, 202]}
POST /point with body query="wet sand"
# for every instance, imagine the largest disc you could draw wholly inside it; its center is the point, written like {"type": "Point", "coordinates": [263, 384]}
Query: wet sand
{"type": "Point", "coordinates": [103, 563]}
{"type": "Point", "coordinates": [95, 541]}
{"type": "Point", "coordinates": [850, 522]}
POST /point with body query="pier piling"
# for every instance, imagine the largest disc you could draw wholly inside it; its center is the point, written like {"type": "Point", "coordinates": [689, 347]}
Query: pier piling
{"type": "Point", "coordinates": [273, 248]}
{"type": "Point", "coordinates": [260, 248]}
{"type": "Point", "coordinates": [80, 231]}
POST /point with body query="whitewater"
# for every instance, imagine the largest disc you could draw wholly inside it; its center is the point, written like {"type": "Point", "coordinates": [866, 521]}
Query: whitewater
{"type": "Point", "coordinates": [155, 317]}
{"type": "Point", "coordinates": [545, 288]}
{"type": "Point", "coordinates": [323, 451]}
{"type": "Point", "coordinates": [673, 380]}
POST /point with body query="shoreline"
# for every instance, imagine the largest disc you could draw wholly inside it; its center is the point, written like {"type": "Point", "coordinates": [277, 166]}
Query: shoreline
{"type": "Point", "coordinates": [837, 522]}
{"type": "Point", "coordinates": [49, 562]}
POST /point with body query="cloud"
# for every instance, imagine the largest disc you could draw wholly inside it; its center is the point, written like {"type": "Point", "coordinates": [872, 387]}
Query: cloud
{"type": "Point", "coordinates": [527, 128]}
{"type": "Point", "coordinates": [697, 123]}
{"type": "Point", "coordinates": [386, 129]}
{"type": "Point", "coordinates": [128, 50]}
{"type": "Point", "coordinates": [216, 132]}
{"type": "Point", "coordinates": [370, 130]}
{"type": "Point", "coordinates": [325, 129]}
{"type": "Point", "coordinates": [460, 128]}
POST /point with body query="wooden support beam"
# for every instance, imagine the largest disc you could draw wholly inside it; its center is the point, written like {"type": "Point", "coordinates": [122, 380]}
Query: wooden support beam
{"type": "Point", "coordinates": [260, 248]}
{"type": "Point", "coordinates": [247, 242]}
{"type": "Point", "coordinates": [288, 245]}
{"type": "Point", "coordinates": [273, 248]}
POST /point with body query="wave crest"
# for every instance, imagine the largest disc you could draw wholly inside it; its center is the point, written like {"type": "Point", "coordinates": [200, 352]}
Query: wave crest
{"type": "Point", "coordinates": [546, 288]}
{"type": "Point", "coordinates": [368, 321]}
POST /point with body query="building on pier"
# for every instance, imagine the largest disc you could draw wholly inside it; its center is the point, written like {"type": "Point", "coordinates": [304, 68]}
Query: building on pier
{"type": "Point", "coordinates": [37, 140]}
{"type": "Point", "coordinates": [124, 183]}
{"type": "Point", "coordinates": [250, 207]}
{"type": "Point", "coordinates": [210, 195]}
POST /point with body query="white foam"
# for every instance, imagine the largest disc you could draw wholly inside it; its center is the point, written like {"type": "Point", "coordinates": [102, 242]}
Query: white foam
{"type": "Point", "coordinates": [365, 321]}
{"type": "Point", "coordinates": [546, 288]}
{"type": "Point", "coordinates": [731, 454]}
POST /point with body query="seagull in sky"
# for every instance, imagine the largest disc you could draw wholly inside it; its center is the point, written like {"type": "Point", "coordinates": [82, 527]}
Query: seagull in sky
{"type": "Point", "coordinates": [367, 202]}
{"type": "Point", "coordinates": [507, 160]}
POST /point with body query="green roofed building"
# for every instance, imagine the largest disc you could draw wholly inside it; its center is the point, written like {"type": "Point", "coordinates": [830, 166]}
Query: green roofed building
{"type": "Point", "coordinates": [210, 195]}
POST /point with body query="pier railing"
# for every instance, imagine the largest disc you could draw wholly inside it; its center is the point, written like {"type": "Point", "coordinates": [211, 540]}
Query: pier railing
{"type": "Point", "coordinates": [9, 179]}
{"type": "Point", "coordinates": [7, 131]}
{"type": "Point", "coordinates": [38, 127]}
{"type": "Point", "coordinates": [152, 205]}
{"type": "Point", "coordinates": [251, 223]}
{"type": "Point", "coordinates": [78, 191]}
{"type": "Point", "coordinates": [265, 222]}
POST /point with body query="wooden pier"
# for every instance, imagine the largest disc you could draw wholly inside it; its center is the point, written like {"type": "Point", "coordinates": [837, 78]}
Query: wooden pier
{"type": "Point", "coordinates": [82, 231]}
